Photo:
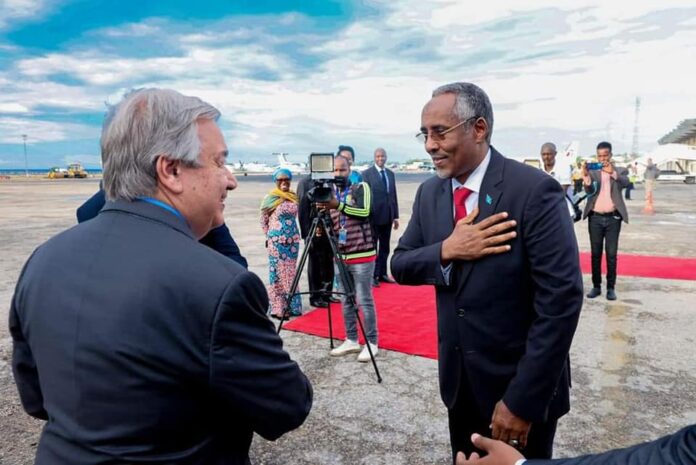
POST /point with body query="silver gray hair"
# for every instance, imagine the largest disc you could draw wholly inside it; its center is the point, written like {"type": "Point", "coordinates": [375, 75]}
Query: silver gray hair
{"type": "Point", "coordinates": [471, 101]}
{"type": "Point", "coordinates": [380, 149]}
{"type": "Point", "coordinates": [147, 124]}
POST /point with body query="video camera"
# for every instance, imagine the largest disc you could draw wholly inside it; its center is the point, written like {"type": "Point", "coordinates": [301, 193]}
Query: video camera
{"type": "Point", "coordinates": [321, 169]}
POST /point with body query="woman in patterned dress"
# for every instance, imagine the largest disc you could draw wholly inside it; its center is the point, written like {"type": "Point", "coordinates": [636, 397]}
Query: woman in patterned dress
{"type": "Point", "coordinates": [278, 221]}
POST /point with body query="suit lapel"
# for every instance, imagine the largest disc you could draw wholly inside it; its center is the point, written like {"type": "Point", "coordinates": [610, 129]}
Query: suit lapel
{"type": "Point", "coordinates": [489, 196]}
{"type": "Point", "coordinates": [490, 192]}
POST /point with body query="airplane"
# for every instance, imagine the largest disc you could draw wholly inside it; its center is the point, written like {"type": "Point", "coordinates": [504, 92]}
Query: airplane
{"type": "Point", "coordinates": [566, 158]}
{"type": "Point", "coordinates": [295, 168]}
{"type": "Point", "coordinates": [249, 167]}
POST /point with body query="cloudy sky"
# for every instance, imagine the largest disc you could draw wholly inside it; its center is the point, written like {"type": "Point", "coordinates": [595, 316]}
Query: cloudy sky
{"type": "Point", "coordinates": [308, 75]}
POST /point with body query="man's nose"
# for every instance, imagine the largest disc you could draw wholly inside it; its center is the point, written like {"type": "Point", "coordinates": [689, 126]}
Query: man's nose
{"type": "Point", "coordinates": [431, 146]}
{"type": "Point", "coordinates": [231, 181]}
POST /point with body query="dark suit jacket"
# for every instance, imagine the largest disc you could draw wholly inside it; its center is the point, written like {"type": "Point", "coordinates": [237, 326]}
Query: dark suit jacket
{"type": "Point", "coordinates": [142, 345]}
{"type": "Point", "coordinates": [505, 322]}
{"type": "Point", "coordinates": [219, 239]}
{"type": "Point", "coordinates": [385, 206]}
{"type": "Point", "coordinates": [617, 184]}
{"type": "Point", "coordinates": [676, 449]}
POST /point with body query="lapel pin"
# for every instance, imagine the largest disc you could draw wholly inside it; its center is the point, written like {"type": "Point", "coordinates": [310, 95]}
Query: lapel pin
{"type": "Point", "coordinates": [489, 200]}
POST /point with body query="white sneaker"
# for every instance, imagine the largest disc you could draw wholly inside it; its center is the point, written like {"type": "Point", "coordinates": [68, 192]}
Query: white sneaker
{"type": "Point", "coordinates": [365, 355]}
{"type": "Point", "coordinates": [348, 347]}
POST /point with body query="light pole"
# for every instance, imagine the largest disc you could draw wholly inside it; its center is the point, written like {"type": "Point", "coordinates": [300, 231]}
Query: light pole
{"type": "Point", "coordinates": [26, 164]}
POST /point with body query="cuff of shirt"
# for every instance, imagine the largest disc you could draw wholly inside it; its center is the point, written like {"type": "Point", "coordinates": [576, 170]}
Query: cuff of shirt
{"type": "Point", "coordinates": [520, 461]}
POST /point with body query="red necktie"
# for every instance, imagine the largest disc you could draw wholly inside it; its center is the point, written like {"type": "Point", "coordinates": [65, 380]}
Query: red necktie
{"type": "Point", "coordinates": [460, 195]}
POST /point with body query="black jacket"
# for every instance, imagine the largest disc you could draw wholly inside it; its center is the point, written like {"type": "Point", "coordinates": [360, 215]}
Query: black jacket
{"type": "Point", "coordinates": [141, 345]}
{"type": "Point", "coordinates": [505, 322]}
{"type": "Point", "coordinates": [675, 449]}
{"type": "Point", "coordinates": [385, 205]}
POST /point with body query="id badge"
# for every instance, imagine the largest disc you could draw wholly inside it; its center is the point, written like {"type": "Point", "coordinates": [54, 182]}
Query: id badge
{"type": "Point", "coordinates": [342, 236]}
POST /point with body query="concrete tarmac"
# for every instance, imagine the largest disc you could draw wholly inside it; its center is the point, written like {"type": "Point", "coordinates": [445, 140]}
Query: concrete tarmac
{"type": "Point", "coordinates": [633, 360]}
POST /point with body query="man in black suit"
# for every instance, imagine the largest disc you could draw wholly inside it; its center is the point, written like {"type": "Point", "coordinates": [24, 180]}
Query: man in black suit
{"type": "Point", "coordinates": [218, 238]}
{"type": "Point", "coordinates": [385, 210]}
{"type": "Point", "coordinates": [508, 302]}
{"type": "Point", "coordinates": [605, 210]}
{"type": "Point", "coordinates": [674, 449]}
{"type": "Point", "coordinates": [320, 266]}
{"type": "Point", "coordinates": [147, 346]}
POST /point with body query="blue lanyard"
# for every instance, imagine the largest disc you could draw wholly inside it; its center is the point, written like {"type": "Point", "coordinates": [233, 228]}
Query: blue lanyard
{"type": "Point", "coordinates": [342, 198]}
{"type": "Point", "coordinates": [159, 203]}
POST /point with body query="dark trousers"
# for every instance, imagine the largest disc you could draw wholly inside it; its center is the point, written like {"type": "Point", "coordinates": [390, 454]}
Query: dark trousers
{"type": "Point", "coordinates": [383, 235]}
{"type": "Point", "coordinates": [627, 193]}
{"type": "Point", "coordinates": [604, 234]}
{"type": "Point", "coordinates": [465, 419]}
{"type": "Point", "coordinates": [320, 268]}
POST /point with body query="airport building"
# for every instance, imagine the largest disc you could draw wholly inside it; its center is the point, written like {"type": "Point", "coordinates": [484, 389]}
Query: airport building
{"type": "Point", "coordinates": [678, 148]}
{"type": "Point", "coordinates": [685, 133]}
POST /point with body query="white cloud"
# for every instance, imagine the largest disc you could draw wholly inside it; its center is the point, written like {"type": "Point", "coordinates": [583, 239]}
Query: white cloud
{"type": "Point", "coordinates": [96, 69]}
{"type": "Point", "coordinates": [11, 130]}
{"type": "Point", "coordinates": [13, 108]}
{"type": "Point", "coordinates": [17, 10]}
{"type": "Point", "coordinates": [552, 70]}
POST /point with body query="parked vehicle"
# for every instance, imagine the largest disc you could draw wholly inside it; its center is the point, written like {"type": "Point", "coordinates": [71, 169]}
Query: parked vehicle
{"type": "Point", "coordinates": [673, 175]}
{"type": "Point", "coordinates": [58, 173]}
{"type": "Point", "coordinates": [76, 170]}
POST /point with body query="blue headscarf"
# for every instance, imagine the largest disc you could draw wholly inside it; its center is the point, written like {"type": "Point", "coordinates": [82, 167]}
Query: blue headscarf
{"type": "Point", "coordinates": [280, 171]}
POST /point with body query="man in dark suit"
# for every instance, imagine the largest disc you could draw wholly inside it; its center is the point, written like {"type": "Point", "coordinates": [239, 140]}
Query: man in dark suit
{"type": "Point", "coordinates": [218, 238]}
{"type": "Point", "coordinates": [320, 266]}
{"type": "Point", "coordinates": [146, 346]}
{"type": "Point", "coordinates": [674, 449]}
{"type": "Point", "coordinates": [508, 302]}
{"type": "Point", "coordinates": [385, 210]}
{"type": "Point", "coordinates": [605, 209]}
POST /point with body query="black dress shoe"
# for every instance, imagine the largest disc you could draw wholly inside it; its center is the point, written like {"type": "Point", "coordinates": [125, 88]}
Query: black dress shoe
{"type": "Point", "coordinates": [594, 292]}
{"type": "Point", "coordinates": [611, 294]}
{"type": "Point", "coordinates": [334, 300]}
{"type": "Point", "coordinates": [279, 317]}
{"type": "Point", "coordinates": [375, 282]}
{"type": "Point", "coordinates": [319, 303]}
{"type": "Point", "coordinates": [386, 279]}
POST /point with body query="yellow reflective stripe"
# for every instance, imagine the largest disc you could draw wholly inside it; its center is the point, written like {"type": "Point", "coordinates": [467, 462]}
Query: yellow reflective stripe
{"type": "Point", "coordinates": [363, 212]}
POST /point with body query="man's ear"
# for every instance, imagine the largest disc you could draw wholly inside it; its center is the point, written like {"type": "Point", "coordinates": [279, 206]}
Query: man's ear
{"type": "Point", "coordinates": [481, 128]}
{"type": "Point", "coordinates": [168, 174]}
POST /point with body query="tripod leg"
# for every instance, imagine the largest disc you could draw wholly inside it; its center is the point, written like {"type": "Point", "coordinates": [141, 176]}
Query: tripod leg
{"type": "Point", "coordinates": [298, 274]}
{"type": "Point", "coordinates": [328, 311]}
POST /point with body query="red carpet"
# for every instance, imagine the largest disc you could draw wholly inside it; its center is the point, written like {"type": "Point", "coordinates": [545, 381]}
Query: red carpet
{"type": "Point", "coordinates": [647, 266]}
{"type": "Point", "coordinates": [406, 320]}
{"type": "Point", "coordinates": [406, 315]}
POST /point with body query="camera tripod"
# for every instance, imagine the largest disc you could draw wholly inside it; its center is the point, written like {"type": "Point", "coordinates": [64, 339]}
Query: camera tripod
{"type": "Point", "coordinates": [324, 221]}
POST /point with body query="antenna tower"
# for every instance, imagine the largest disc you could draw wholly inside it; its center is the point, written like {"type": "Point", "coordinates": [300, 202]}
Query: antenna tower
{"type": "Point", "coordinates": [634, 146]}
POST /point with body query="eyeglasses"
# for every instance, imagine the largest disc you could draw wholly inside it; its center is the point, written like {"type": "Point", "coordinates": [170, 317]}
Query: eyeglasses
{"type": "Point", "coordinates": [439, 135]}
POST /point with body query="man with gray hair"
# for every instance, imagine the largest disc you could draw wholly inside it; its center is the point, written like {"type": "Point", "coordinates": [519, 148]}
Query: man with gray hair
{"type": "Point", "coordinates": [493, 236]}
{"type": "Point", "coordinates": [148, 346]}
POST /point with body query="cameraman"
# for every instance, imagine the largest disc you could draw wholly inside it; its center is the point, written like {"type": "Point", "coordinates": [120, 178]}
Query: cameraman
{"type": "Point", "coordinates": [320, 271]}
{"type": "Point", "coordinates": [350, 215]}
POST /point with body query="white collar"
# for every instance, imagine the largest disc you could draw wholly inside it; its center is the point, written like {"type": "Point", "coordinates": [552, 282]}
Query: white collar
{"type": "Point", "coordinates": [473, 182]}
